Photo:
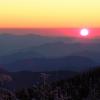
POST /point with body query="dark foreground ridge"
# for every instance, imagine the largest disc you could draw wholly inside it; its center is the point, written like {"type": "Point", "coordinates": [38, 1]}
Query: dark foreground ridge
{"type": "Point", "coordinates": [83, 86]}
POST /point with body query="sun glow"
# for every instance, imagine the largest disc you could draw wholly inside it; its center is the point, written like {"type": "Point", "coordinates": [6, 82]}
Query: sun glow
{"type": "Point", "coordinates": [84, 32]}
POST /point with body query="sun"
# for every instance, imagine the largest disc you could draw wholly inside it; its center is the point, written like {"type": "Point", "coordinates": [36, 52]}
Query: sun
{"type": "Point", "coordinates": [84, 32]}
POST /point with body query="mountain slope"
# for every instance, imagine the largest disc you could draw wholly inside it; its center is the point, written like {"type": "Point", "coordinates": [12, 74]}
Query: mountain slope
{"type": "Point", "coordinates": [25, 79]}
{"type": "Point", "coordinates": [95, 55]}
{"type": "Point", "coordinates": [75, 63]}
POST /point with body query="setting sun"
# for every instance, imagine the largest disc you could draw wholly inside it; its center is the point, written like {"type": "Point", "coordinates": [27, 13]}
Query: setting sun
{"type": "Point", "coordinates": [84, 32]}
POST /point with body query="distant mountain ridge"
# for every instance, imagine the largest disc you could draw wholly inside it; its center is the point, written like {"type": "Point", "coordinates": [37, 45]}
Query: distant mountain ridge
{"type": "Point", "coordinates": [10, 44]}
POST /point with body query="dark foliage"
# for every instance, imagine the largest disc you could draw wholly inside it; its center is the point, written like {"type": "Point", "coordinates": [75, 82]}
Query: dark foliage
{"type": "Point", "coordinates": [84, 86]}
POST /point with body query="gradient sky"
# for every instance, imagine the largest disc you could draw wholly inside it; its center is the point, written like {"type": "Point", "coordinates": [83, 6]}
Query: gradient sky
{"type": "Point", "coordinates": [49, 13]}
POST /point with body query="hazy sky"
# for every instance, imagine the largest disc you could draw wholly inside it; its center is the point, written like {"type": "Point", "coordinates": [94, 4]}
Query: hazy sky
{"type": "Point", "coordinates": [49, 13]}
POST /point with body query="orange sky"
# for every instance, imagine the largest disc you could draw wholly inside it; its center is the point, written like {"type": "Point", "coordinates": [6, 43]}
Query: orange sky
{"type": "Point", "coordinates": [49, 13]}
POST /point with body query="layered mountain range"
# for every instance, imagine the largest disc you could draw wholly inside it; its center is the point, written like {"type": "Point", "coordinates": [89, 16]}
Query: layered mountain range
{"type": "Point", "coordinates": [42, 53]}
